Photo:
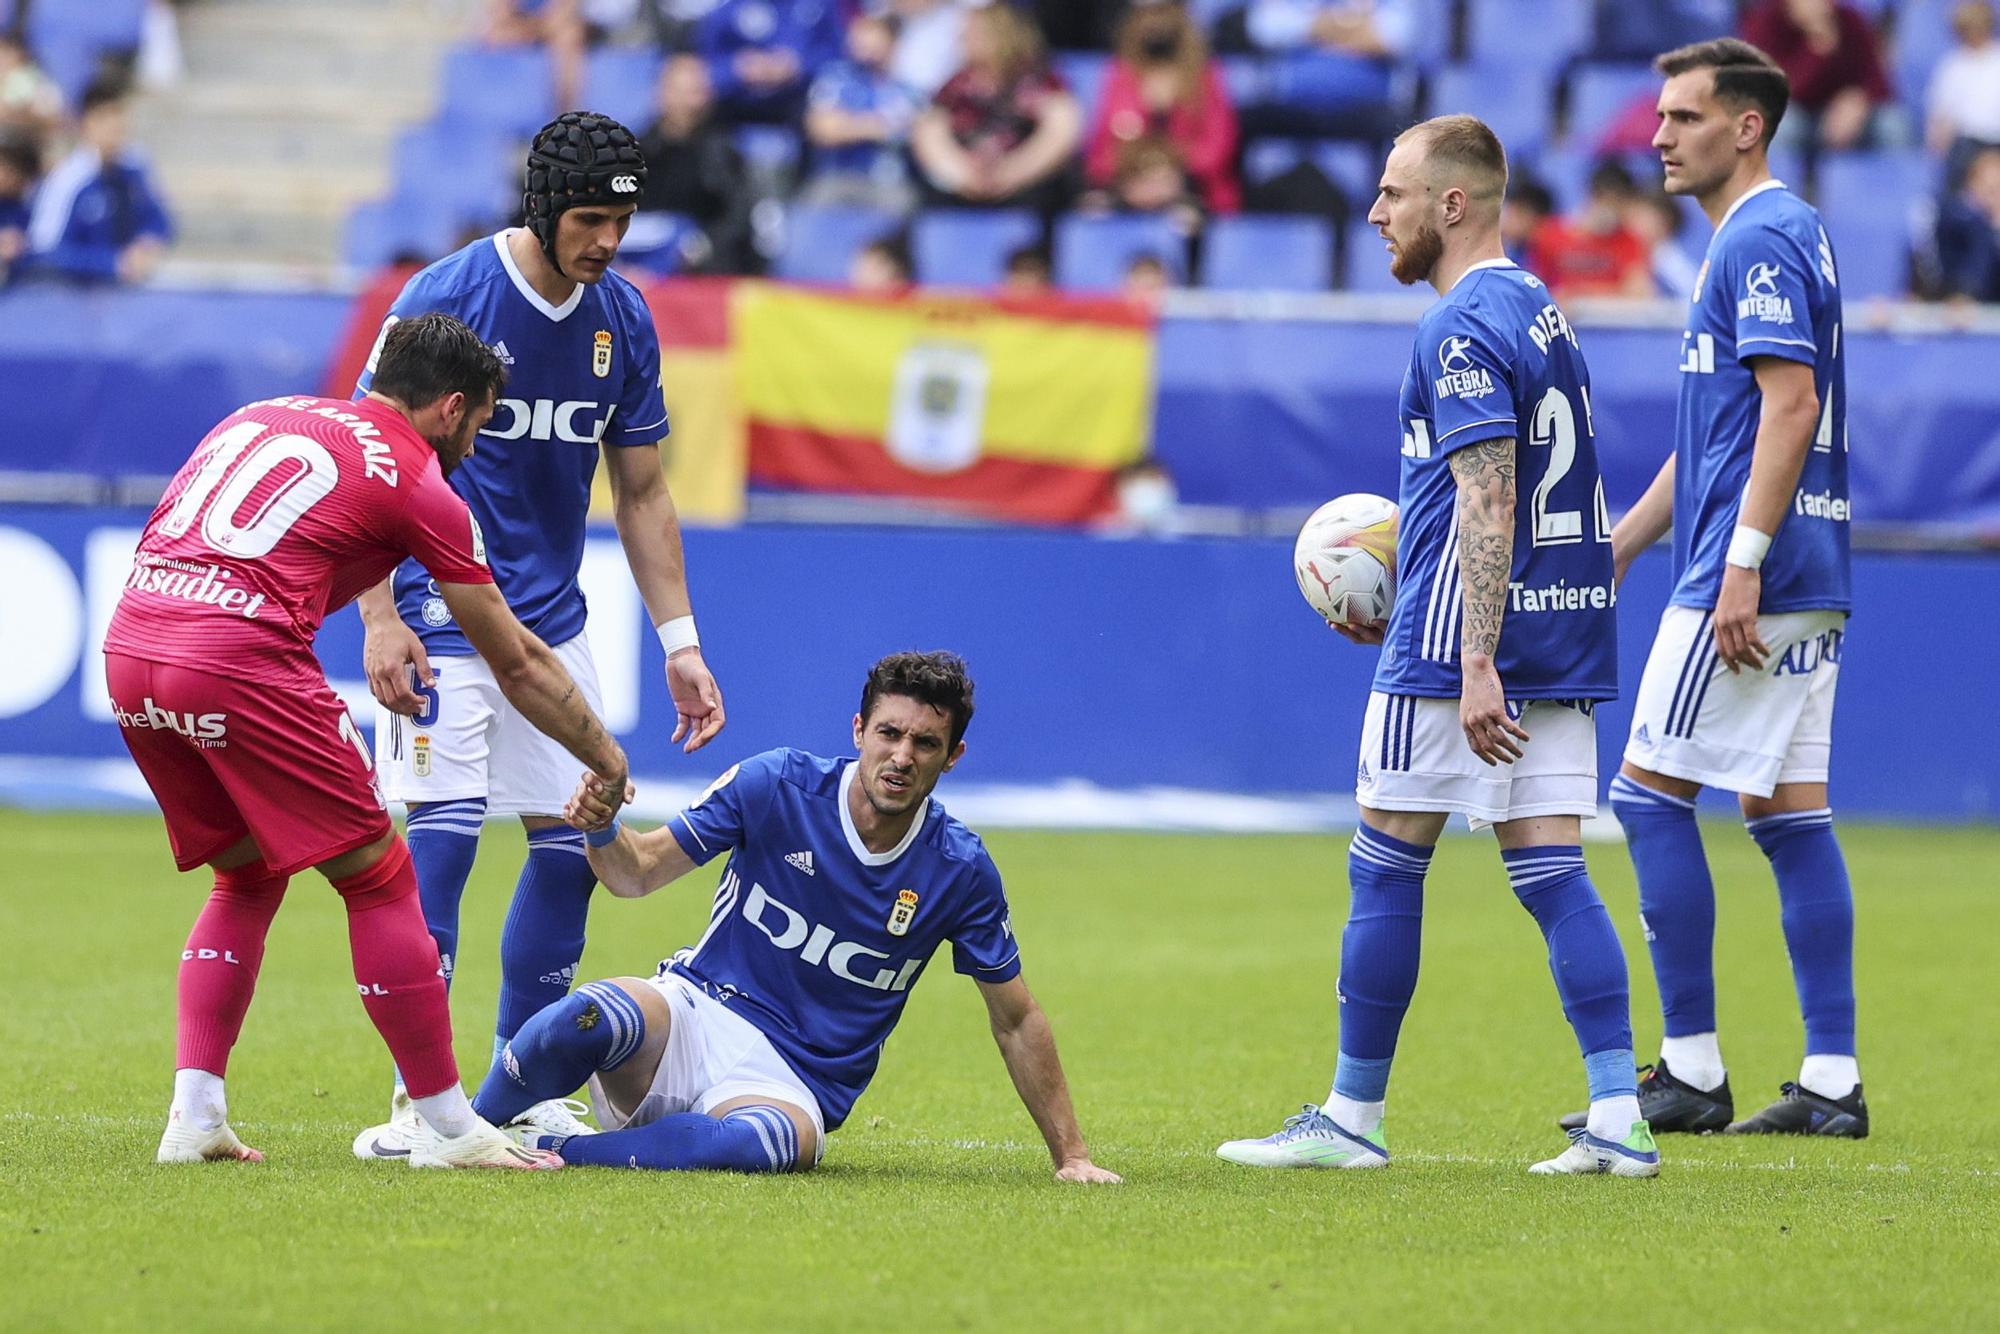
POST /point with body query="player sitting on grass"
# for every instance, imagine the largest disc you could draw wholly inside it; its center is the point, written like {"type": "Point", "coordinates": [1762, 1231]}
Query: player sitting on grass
{"type": "Point", "coordinates": [745, 1050]}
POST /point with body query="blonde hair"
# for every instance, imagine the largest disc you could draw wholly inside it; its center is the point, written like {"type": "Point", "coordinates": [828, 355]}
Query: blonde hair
{"type": "Point", "coordinates": [1463, 151]}
{"type": "Point", "coordinates": [1017, 42]}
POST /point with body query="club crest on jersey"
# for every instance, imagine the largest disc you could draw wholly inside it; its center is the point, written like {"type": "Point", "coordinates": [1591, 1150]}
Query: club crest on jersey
{"type": "Point", "coordinates": [600, 354]}
{"type": "Point", "coordinates": [905, 909]}
{"type": "Point", "coordinates": [1460, 376]}
{"type": "Point", "coordinates": [1761, 300]}
{"type": "Point", "coordinates": [435, 613]}
{"type": "Point", "coordinates": [420, 756]}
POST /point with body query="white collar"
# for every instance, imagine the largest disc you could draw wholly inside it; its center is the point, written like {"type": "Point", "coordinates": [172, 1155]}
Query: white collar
{"type": "Point", "coordinates": [1501, 263]}
{"type": "Point", "coordinates": [526, 288]}
{"type": "Point", "coordinates": [848, 778]}
{"type": "Point", "coordinates": [1759, 188]}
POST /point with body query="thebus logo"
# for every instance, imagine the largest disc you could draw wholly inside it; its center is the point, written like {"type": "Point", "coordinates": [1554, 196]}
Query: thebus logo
{"type": "Point", "coordinates": [206, 730]}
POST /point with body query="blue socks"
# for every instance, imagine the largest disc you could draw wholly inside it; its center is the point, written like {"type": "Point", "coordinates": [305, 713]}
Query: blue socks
{"type": "Point", "coordinates": [542, 941]}
{"type": "Point", "coordinates": [1379, 953]}
{"type": "Point", "coordinates": [1817, 909]}
{"type": "Point", "coordinates": [749, 1139]}
{"type": "Point", "coordinates": [1676, 902]}
{"type": "Point", "coordinates": [443, 838]}
{"type": "Point", "coordinates": [596, 1027]}
{"type": "Point", "coordinates": [1584, 954]}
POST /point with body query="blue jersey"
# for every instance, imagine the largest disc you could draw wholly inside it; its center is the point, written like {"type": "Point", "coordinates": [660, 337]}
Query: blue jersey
{"type": "Point", "coordinates": [1495, 357]}
{"type": "Point", "coordinates": [1767, 289]}
{"type": "Point", "coordinates": [816, 940]}
{"type": "Point", "coordinates": [579, 375]}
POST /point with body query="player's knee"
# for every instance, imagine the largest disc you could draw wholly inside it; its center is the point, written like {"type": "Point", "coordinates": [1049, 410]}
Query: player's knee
{"type": "Point", "coordinates": [598, 1021]}
{"type": "Point", "coordinates": [372, 866]}
{"type": "Point", "coordinates": [762, 1138]}
{"type": "Point", "coordinates": [250, 879]}
{"type": "Point", "coordinates": [1652, 782]}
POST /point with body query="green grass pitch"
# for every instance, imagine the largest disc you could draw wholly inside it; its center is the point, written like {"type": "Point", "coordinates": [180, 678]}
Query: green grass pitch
{"type": "Point", "coordinates": [1190, 980]}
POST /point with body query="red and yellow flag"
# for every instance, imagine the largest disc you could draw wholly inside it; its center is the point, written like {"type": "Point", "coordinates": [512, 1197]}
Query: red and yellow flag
{"type": "Point", "coordinates": [1020, 411]}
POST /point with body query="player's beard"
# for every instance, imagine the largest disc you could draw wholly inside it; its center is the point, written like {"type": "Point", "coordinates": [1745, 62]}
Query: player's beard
{"type": "Point", "coordinates": [1416, 258]}
{"type": "Point", "coordinates": [453, 447]}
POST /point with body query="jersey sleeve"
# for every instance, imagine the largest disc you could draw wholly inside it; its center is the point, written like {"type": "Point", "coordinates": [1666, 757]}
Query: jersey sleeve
{"type": "Point", "coordinates": [1771, 282]}
{"type": "Point", "coordinates": [441, 533]}
{"type": "Point", "coordinates": [983, 945]}
{"type": "Point", "coordinates": [1470, 377]}
{"type": "Point", "coordinates": [720, 818]}
{"type": "Point", "coordinates": [641, 418]}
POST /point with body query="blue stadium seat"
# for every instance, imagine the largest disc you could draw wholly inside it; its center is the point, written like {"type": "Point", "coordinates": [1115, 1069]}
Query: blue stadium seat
{"type": "Point", "coordinates": [1354, 167]}
{"type": "Point", "coordinates": [1599, 92]}
{"type": "Point", "coordinates": [1872, 251]}
{"type": "Point", "coordinates": [1084, 72]}
{"type": "Point", "coordinates": [1430, 46]}
{"type": "Point", "coordinates": [467, 175]}
{"type": "Point", "coordinates": [1273, 254]}
{"type": "Point", "coordinates": [1514, 101]}
{"type": "Point", "coordinates": [1367, 262]}
{"type": "Point", "coordinates": [507, 89]}
{"type": "Point", "coordinates": [1243, 78]}
{"type": "Point", "coordinates": [771, 150]}
{"type": "Point", "coordinates": [821, 242]}
{"type": "Point", "coordinates": [622, 82]}
{"type": "Point", "coordinates": [1526, 34]}
{"type": "Point", "coordinates": [969, 247]}
{"type": "Point", "coordinates": [1867, 200]}
{"type": "Point", "coordinates": [656, 242]}
{"type": "Point", "coordinates": [1852, 183]}
{"type": "Point", "coordinates": [111, 25]}
{"type": "Point", "coordinates": [1923, 37]}
{"type": "Point", "coordinates": [378, 231]}
{"type": "Point", "coordinates": [1092, 253]}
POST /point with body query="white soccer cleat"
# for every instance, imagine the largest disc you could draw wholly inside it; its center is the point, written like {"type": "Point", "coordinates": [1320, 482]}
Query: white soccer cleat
{"type": "Point", "coordinates": [184, 1142]}
{"type": "Point", "coordinates": [557, 1118]}
{"type": "Point", "coordinates": [1634, 1156]}
{"type": "Point", "coordinates": [1310, 1139]}
{"type": "Point", "coordinates": [484, 1145]}
{"type": "Point", "coordinates": [394, 1138]}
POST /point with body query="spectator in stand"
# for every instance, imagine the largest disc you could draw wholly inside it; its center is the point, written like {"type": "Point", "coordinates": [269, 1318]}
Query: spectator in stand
{"type": "Point", "coordinates": [1147, 279]}
{"type": "Point", "coordinates": [29, 98]}
{"type": "Point", "coordinates": [1529, 204]}
{"type": "Point", "coordinates": [1028, 273]}
{"type": "Point", "coordinates": [858, 119]}
{"type": "Point", "coordinates": [1967, 239]}
{"type": "Point", "coordinates": [556, 24]}
{"type": "Point", "coordinates": [881, 268]}
{"type": "Point", "coordinates": [1334, 60]}
{"type": "Point", "coordinates": [20, 164]}
{"type": "Point", "coordinates": [1003, 131]}
{"type": "Point", "coordinates": [928, 36]}
{"type": "Point", "coordinates": [1163, 85]}
{"type": "Point", "coordinates": [1150, 178]}
{"type": "Point", "coordinates": [97, 218]}
{"type": "Point", "coordinates": [1595, 253]}
{"type": "Point", "coordinates": [1964, 96]}
{"type": "Point", "coordinates": [1832, 55]}
{"type": "Point", "coordinates": [695, 171]}
{"type": "Point", "coordinates": [762, 55]}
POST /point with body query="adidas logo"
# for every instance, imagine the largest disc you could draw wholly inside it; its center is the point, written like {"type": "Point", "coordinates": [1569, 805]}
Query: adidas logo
{"type": "Point", "coordinates": [802, 860]}
{"type": "Point", "coordinates": [1643, 737]}
{"type": "Point", "coordinates": [500, 351]}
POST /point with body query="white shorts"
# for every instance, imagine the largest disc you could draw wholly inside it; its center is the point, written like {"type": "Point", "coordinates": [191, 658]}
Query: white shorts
{"type": "Point", "coordinates": [1414, 758]}
{"type": "Point", "coordinates": [472, 743]}
{"type": "Point", "coordinates": [1742, 732]}
{"type": "Point", "coordinates": [713, 1054]}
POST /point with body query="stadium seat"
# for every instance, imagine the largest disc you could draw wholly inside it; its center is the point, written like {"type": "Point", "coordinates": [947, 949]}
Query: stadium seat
{"type": "Point", "coordinates": [1867, 201]}
{"type": "Point", "coordinates": [969, 247]}
{"type": "Point", "coordinates": [821, 242]}
{"type": "Point", "coordinates": [622, 82]}
{"type": "Point", "coordinates": [468, 175]}
{"type": "Point", "coordinates": [1526, 34]}
{"type": "Point", "coordinates": [656, 242]}
{"type": "Point", "coordinates": [1599, 92]}
{"type": "Point", "coordinates": [1854, 183]}
{"type": "Point", "coordinates": [377, 232]}
{"type": "Point", "coordinates": [1084, 72]}
{"type": "Point", "coordinates": [1243, 78]}
{"type": "Point", "coordinates": [1514, 101]}
{"type": "Point", "coordinates": [109, 25]}
{"type": "Point", "coordinates": [1366, 263]}
{"type": "Point", "coordinates": [1092, 253]}
{"type": "Point", "coordinates": [1923, 37]}
{"type": "Point", "coordinates": [1273, 254]}
{"type": "Point", "coordinates": [770, 150]}
{"type": "Point", "coordinates": [1353, 167]}
{"type": "Point", "coordinates": [507, 89]}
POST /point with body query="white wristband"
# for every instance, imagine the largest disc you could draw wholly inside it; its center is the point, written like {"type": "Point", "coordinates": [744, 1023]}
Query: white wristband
{"type": "Point", "coordinates": [1748, 547]}
{"type": "Point", "coordinates": [678, 634]}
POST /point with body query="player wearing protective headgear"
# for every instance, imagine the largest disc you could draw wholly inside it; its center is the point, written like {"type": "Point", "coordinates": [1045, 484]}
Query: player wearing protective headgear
{"type": "Point", "coordinates": [583, 364]}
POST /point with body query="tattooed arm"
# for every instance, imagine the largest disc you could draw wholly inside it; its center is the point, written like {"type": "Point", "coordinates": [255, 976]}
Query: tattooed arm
{"type": "Point", "coordinates": [1485, 476]}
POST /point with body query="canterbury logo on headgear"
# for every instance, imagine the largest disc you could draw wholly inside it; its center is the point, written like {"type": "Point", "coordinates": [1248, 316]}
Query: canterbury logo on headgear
{"type": "Point", "coordinates": [624, 185]}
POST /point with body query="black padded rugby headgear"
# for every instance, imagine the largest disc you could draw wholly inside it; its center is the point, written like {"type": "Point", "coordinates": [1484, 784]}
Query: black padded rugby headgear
{"type": "Point", "coordinates": [579, 158]}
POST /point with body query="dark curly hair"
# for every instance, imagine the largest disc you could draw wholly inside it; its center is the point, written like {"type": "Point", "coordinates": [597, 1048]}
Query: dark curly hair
{"type": "Point", "coordinates": [938, 679]}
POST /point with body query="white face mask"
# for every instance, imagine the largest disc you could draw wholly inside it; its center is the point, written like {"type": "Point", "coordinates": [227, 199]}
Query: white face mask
{"type": "Point", "coordinates": [1147, 500]}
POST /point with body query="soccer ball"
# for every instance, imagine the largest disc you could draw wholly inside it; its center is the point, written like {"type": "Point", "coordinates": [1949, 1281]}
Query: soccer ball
{"type": "Point", "coordinates": [1345, 559]}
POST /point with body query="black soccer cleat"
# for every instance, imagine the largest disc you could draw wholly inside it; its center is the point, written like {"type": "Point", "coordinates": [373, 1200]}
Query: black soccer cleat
{"type": "Point", "coordinates": [1671, 1106]}
{"type": "Point", "coordinates": [1800, 1111]}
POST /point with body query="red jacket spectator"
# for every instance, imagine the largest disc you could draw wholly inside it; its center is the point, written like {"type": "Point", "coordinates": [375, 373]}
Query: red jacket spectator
{"type": "Point", "coordinates": [1163, 84]}
{"type": "Point", "coordinates": [1824, 48]}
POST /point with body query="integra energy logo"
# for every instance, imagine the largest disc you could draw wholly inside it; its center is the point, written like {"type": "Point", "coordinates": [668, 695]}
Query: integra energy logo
{"type": "Point", "coordinates": [206, 730]}
{"type": "Point", "coordinates": [1460, 376]}
{"type": "Point", "coordinates": [1760, 297]}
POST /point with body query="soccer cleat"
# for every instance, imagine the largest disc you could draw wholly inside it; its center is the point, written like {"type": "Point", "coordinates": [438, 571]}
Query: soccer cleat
{"type": "Point", "coordinates": [482, 1146]}
{"type": "Point", "coordinates": [187, 1143]}
{"type": "Point", "coordinates": [1310, 1139]}
{"type": "Point", "coordinates": [1672, 1106]}
{"type": "Point", "coordinates": [394, 1138]}
{"type": "Point", "coordinates": [1800, 1111]}
{"type": "Point", "coordinates": [1634, 1156]}
{"type": "Point", "coordinates": [555, 1119]}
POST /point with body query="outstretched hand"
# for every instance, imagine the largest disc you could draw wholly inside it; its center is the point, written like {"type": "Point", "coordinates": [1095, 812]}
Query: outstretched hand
{"type": "Point", "coordinates": [697, 700]}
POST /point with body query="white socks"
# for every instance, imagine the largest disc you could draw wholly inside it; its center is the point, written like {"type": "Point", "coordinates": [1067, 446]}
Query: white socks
{"type": "Point", "coordinates": [1612, 1118]}
{"type": "Point", "coordinates": [198, 1099]}
{"type": "Point", "coordinates": [1830, 1076]}
{"type": "Point", "coordinates": [1360, 1118]}
{"type": "Point", "coordinates": [1695, 1059]}
{"type": "Point", "coordinates": [448, 1113]}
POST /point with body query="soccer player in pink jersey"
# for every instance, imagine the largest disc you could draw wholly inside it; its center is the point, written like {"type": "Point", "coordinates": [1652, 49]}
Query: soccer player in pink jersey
{"type": "Point", "coordinates": [287, 510]}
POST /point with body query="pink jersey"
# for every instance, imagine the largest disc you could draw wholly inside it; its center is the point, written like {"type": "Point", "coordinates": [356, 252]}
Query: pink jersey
{"type": "Point", "coordinates": [288, 511]}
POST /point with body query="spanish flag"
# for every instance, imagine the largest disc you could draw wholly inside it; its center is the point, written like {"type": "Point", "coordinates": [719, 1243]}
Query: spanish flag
{"type": "Point", "coordinates": [1018, 411]}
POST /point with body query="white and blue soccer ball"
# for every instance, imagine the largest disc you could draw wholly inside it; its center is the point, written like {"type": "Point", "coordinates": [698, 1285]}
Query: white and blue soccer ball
{"type": "Point", "coordinates": [1345, 559]}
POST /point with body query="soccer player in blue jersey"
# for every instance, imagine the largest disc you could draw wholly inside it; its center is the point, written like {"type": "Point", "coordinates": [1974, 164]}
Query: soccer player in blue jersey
{"type": "Point", "coordinates": [583, 366]}
{"type": "Point", "coordinates": [1738, 690]}
{"type": "Point", "coordinates": [1496, 653]}
{"type": "Point", "coordinates": [844, 877]}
